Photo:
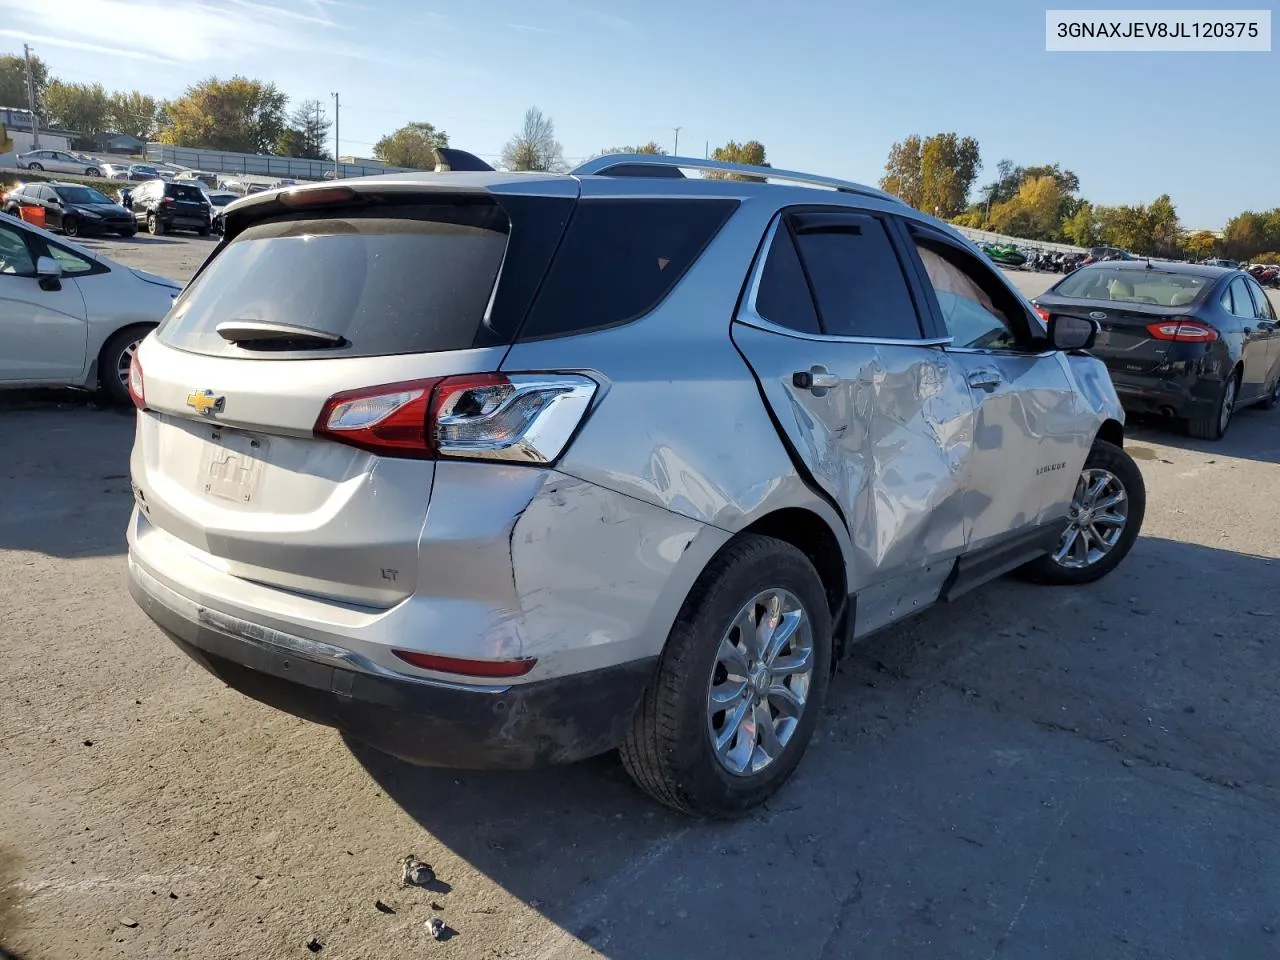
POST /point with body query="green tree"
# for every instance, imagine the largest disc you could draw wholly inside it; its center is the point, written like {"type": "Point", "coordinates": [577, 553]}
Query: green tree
{"type": "Point", "coordinates": [13, 81]}
{"type": "Point", "coordinates": [82, 107]}
{"type": "Point", "coordinates": [1067, 181]}
{"type": "Point", "coordinates": [1249, 233]}
{"type": "Point", "coordinates": [413, 145]}
{"type": "Point", "coordinates": [948, 166]}
{"type": "Point", "coordinates": [312, 126]}
{"type": "Point", "coordinates": [1005, 186]}
{"type": "Point", "coordinates": [134, 114]}
{"type": "Point", "coordinates": [290, 143]}
{"type": "Point", "coordinates": [535, 146]}
{"type": "Point", "coordinates": [1200, 245]}
{"type": "Point", "coordinates": [239, 114]}
{"type": "Point", "coordinates": [750, 154]}
{"type": "Point", "coordinates": [1163, 227]}
{"type": "Point", "coordinates": [1081, 228]}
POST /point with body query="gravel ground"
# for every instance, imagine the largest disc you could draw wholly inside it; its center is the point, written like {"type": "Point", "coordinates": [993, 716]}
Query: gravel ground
{"type": "Point", "coordinates": [1026, 773]}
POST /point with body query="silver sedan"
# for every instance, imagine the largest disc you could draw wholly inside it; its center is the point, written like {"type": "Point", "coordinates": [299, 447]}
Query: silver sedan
{"type": "Point", "coordinates": [59, 161]}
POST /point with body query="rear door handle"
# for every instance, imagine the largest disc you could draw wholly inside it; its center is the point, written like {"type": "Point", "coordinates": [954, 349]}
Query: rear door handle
{"type": "Point", "coordinates": [985, 379]}
{"type": "Point", "coordinates": [815, 378]}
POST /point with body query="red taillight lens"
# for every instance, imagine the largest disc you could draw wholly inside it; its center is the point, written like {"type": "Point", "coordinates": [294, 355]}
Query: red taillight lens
{"type": "Point", "coordinates": [524, 417]}
{"type": "Point", "coordinates": [1044, 314]}
{"type": "Point", "coordinates": [390, 419]}
{"type": "Point", "coordinates": [167, 202]}
{"type": "Point", "coordinates": [465, 667]}
{"type": "Point", "coordinates": [137, 389]}
{"type": "Point", "coordinates": [316, 196]}
{"type": "Point", "coordinates": [1182, 331]}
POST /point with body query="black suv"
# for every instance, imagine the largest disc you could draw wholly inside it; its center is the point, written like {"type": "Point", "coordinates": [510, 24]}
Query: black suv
{"type": "Point", "coordinates": [163, 206]}
{"type": "Point", "coordinates": [72, 208]}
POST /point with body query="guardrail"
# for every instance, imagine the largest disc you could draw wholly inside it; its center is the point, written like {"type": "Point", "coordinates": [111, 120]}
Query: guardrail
{"type": "Point", "coordinates": [247, 164]}
{"type": "Point", "coordinates": [986, 236]}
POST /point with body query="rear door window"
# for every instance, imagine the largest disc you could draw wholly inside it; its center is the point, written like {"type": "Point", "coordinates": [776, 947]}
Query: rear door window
{"type": "Point", "coordinates": [619, 259]}
{"type": "Point", "coordinates": [1241, 304]}
{"type": "Point", "coordinates": [408, 279]}
{"type": "Point", "coordinates": [857, 278]}
{"type": "Point", "coordinates": [1261, 303]}
{"type": "Point", "coordinates": [784, 297]}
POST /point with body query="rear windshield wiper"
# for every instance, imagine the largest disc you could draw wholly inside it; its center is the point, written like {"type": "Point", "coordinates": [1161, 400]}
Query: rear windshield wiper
{"type": "Point", "coordinates": [264, 335]}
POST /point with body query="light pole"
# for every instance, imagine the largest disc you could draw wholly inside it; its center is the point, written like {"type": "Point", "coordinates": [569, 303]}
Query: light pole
{"type": "Point", "coordinates": [31, 100]}
{"type": "Point", "coordinates": [675, 151]}
{"type": "Point", "coordinates": [336, 149]}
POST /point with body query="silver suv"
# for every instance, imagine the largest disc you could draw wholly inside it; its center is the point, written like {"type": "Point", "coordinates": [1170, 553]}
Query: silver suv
{"type": "Point", "coordinates": [499, 469]}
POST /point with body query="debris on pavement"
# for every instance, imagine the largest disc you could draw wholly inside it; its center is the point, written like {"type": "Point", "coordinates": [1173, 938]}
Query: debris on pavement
{"type": "Point", "coordinates": [415, 873]}
{"type": "Point", "coordinates": [314, 945]}
{"type": "Point", "coordinates": [128, 922]}
{"type": "Point", "coordinates": [383, 907]}
{"type": "Point", "coordinates": [437, 929]}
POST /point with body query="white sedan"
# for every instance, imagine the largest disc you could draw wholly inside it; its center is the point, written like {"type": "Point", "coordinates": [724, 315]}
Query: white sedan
{"type": "Point", "coordinates": [59, 161]}
{"type": "Point", "coordinates": [70, 317]}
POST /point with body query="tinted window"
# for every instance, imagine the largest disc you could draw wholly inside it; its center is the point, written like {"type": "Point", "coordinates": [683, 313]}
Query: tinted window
{"type": "Point", "coordinates": [15, 258]}
{"type": "Point", "coordinates": [415, 282]}
{"type": "Point", "coordinates": [857, 280]}
{"type": "Point", "coordinates": [183, 191]}
{"type": "Point", "coordinates": [619, 259]}
{"type": "Point", "coordinates": [1241, 303]}
{"type": "Point", "coordinates": [783, 297]}
{"type": "Point", "coordinates": [70, 262]}
{"type": "Point", "coordinates": [80, 195]}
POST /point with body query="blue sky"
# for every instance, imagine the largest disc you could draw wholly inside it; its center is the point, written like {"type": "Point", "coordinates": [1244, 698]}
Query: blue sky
{"type": "Point", "coordinates": [826, 85]}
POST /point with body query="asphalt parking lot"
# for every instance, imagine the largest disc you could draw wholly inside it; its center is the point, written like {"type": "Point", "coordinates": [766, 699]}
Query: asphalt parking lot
{"type": "Point", "coordinates": [1026, 773]}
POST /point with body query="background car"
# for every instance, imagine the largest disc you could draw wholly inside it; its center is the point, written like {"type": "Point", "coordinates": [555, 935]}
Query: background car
{"type": "Point", "coordinates": [1189, 341]}
{"type": "Point", "coordinates": [115, 171]}
{"type": "Point", "coordinates": [70, 317]}
{"type": "Point", "coordinates": [72, 208]}
{"type": "Point", "coordinates": [143, 171]}
{"type": "Point", "coordinates": [210, 180]}
{"type": "Point", "coordinates": [58, 161]}
{"type": "Point", "coordinates": [218, 200]}
{"type": "Point", "coordinates": [161, 206]}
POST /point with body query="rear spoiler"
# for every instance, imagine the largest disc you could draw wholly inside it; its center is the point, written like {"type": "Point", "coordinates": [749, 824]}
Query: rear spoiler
{"type": "Point", "coordinates": [447, 158]}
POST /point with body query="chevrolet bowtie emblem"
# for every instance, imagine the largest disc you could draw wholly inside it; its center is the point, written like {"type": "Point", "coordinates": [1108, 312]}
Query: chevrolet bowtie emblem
{"type": "Point", "coordinates": [204, 402]}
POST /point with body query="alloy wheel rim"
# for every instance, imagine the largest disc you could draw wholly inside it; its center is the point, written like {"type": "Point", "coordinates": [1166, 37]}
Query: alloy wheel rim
{"type": "Point", "coordinates": [1096, 521]}
{"type": "Point", "coordinates": [1228, 402]}
{"type": "Point", "coordinates": [125, 362]}
{"type": "Point", "coordinates": [760, 682]}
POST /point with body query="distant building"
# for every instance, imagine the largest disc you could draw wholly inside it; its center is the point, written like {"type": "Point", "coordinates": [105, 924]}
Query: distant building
{"type": "Point", "coordinates": [122, 143]}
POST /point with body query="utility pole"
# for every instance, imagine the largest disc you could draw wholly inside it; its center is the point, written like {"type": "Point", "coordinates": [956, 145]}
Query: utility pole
{"type": "Point", "coordinates": [31, 99]}
{"type": "Point", "coordinates": [336, 151]}
{"type": "Point", "coordinates": [706, 151]}
{"type": "Point", "coordinates": [675, 151]}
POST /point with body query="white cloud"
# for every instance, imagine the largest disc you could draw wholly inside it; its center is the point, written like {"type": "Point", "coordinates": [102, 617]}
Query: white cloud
{"type": "Point", "coordinates": [185, 31]}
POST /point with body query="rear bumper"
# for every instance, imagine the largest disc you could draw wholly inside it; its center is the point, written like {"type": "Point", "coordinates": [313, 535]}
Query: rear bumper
{"type": "Point", "coordinates": [1182, 390]}
{"type": "Point", "coordinates": [552, 721]}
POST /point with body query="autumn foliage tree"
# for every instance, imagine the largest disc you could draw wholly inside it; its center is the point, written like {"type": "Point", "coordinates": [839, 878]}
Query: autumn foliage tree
{"type": "Point", "coordinates": [933, 174]}
{"type": "Point", "coordinates": [13, 81]}
{"type": "Point", "coordinates": [240, 115]}
{"type": "Point", "coordinates": [652, 148]}
{"type": "Point", "coordinates": [535, 146]}
{"type": "Point", "coordinates": [751, 154]}
{"type": "Point", "coordinates": [413, 145]}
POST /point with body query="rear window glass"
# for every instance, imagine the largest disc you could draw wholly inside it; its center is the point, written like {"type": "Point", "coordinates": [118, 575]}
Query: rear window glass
{"type": "Point", "coordinates": [619, 259]}
{"type": "Point", "coordinates": [1160, 287]}
{"type": "Point", "coordinates": [417, 281]}
{"type": "Point", "coordinates": [184, 191]}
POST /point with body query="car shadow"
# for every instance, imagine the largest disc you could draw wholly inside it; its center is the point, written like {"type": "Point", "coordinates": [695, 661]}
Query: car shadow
{"type": "Point", "coordinates": [139, 239]}
{"type": "Point", "coordinates": [65, 478]}
{"type": "Point", "coordinates": [1135, 668]}
{"type": "Point", "coordinates": [1254, 434]}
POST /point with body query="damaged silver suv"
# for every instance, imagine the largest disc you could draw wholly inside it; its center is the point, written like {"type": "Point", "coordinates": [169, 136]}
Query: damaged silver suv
{"type": "Point", "coordinates": [499, 469]}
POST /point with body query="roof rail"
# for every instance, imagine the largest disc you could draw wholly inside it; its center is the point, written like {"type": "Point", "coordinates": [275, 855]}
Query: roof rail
{"type": "Point", "coordinates": [605, 166]}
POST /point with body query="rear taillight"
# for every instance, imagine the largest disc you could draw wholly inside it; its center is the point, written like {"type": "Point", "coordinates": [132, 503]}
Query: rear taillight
{"type": "Point", "coordinates": [466, 667]}
{"type": "Point", "coordinates": [1044, 314]}
{"type": "Point", "coordinates": [491, 416]}
{"type": "Point", "coordinates": [167, 202]}
{"type": "Point", "coordinates": [1182, 331]}
{"type": "Point", "coordinates": [137, 390]}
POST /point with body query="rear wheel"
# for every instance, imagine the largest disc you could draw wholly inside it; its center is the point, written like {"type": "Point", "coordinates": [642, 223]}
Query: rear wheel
{"type": "Point", "coordinates": [155, 226]}
{"type": "Point", "coordinates": [34, 166]}
{"type": "Point", "coordinates": [1272, 399]}
{"type": "Point", "coordinates": [1105, 517]}
{"type": "Point", "coordinates": [71, 226]}
{"type": "Point", "coordinates": [740, 685]}
{"type": "Point", "coordinates": [115, 359]}
{"type": "Point", "coordinates": [1214, 426]}
{"type": "Point", "coordinates": [93, 172]}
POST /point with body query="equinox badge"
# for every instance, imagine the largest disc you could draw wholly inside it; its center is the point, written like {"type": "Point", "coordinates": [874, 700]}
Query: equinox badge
{"type": "Point", "coordinates": [204, 402]}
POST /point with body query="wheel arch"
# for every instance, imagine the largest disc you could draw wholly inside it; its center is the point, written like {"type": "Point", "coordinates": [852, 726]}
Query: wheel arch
{"type": "Point", "coordinates": [95, 377]}
{"type": "Point", "coordinates": [1112, 431]}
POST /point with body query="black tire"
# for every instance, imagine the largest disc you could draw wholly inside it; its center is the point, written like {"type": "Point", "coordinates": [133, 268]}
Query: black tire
{"type": "Point", "coordinates": [109, 359]}
{"type": "Point", "coordinates": [155, 226]}
{"type": "Point", "coordinates": [1214, 426]}
{"type": "Point", "coordinates": [93, 172]}
{"type": "Point", "coordinates": [1109, 457]}
{"type": "Point", "coordinates": [71, 226]}
{"type": "Point", "coordinates": [35, 166]}
{"type": "Point", "coordinates": [668, 750]}
{"type": "Point", "coordinates": [203, 231]}
{"type": "Point", "coordinates": [127, 233]}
